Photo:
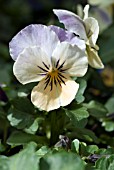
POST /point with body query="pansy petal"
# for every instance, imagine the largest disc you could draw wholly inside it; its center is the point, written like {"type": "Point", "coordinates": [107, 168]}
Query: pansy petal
{"type": "Point", "coordinates": [92, 29]}
{"type": "Point", "coordinates": [48, 100]}
{"type": "Point", "coordinates": [61, 33]}
{"type": "Point", "coordinates": [33, 35]}
{"type": "Point", "coordinates": [31, 65]}
{"type": "Point", "coordinates": [93, 58]}
{"type": "Point", "coordinates": [67, 36]}
{"type": "Point", "coordinates": [72, 22]}
{"type": "Point", "coordinates": [70, 59]}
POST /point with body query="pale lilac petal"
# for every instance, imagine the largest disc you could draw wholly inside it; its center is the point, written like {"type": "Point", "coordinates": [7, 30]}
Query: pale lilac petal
{"type": "Point", "coordinates": [67, 36]}
{"type": "Point", "coordinates": [32, 65]}
{"type": "Point", "coordinates": [61, 33]}
{"type": "Point", "coordinates": [33, 35]}
{"type": "Point", "coordinates": [72, 60]}
{"type": "Point", "coordinates": [72, 22]}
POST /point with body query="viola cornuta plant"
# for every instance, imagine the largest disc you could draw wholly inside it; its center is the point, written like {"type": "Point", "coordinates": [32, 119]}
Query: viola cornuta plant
{"type": "Point", "coordinates": [58, 62]}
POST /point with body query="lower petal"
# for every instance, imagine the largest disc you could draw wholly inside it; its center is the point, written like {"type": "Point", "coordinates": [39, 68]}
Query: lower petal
{"type": "Point", "coordinates": [47, 99]}
{"type": "Point", "coordinates": [93, 58]}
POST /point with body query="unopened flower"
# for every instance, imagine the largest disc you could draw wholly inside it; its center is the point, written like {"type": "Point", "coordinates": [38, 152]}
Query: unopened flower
{"type": "Point", "coordinates": [87, 29]}
{"type": "Point", "coordinates": [41, 57]}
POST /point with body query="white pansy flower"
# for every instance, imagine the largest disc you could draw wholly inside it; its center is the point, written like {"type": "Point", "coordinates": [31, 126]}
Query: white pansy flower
{"type": "Point", "coordinates": [87, 29]}
{"type": "Point", "coordinates": [41, 57]}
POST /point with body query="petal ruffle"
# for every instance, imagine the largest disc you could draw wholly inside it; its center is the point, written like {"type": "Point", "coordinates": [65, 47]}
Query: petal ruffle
{"type": "Point", "coordinates": [33, 35]}
{"type": "Point", "coordinates": [72, 22]}
{"type": "Point", "coordinates": [31, 65]}
{"type": "Point", "coordinates": [93, 58]}
{"type": "Point", "coordinates": [72, 60]}
{"type": "Point", "coordinates": [47, 99]}
{"type": "Point", "coordinates": [68, 37]}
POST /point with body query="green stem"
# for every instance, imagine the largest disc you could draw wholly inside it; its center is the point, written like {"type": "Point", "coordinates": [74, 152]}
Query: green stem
{"type": "Point", "coordinates": [54, 128]}
{"type": "Point", "coordinates": [57, 125]}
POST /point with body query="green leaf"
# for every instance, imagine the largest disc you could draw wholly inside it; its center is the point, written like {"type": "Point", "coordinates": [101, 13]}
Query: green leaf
{"type": "Point", "coordinates": [23, 104]}
{"type": "Point", "coordinates": [42, 151]}
{"type": "Point", "coordinates": [25, 160]}
{"type": "Point", "coordinates": [92, 149]}
{"type": "Point", "coordinates": [77, 111]}
{"type": "Point", "coordinates": [75, 145]}
{"type": "Point", "coordinates": [20, 138]}
{"type": "Point", "coordinates": [105, 163]}
{"type": "Point", "coordinates": [20, 119]}
{"type": "Point", "coordinates": [82, 86]}
{"type": "Point", "coordinates": [89, 135]}
{"type": "Point", "coordinates": [109, 125]}
{"type": "Point", "coordinates": [62, 161]}
{"type": "Point", "coordinates": [96, 109]}
{"type": "Point", "coordinates": [21, 115]}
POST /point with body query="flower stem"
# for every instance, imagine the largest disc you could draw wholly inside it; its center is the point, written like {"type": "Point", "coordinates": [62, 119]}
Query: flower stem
{"type": "Point", "coordinates": [54, 128]}
{"type": "Point", "coordinates": [57, 125]}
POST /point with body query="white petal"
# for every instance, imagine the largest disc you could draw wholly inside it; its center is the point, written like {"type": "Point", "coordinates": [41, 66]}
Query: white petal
{"type": "Point", "coordinates": [33, 35]}
{"type": "Point", "coordinates": [86, 9]}
{"type": "Point", "coordinates": [72, 22]}
{"type": "Point", "coordinates": [27, 66]}
{"type": "Point", "coordinates": [74, 59]}
{"type": "Point", "coordinates": [93, 58]}
{"type": "Point", "coordinates": [52, 99]}
{"type": "Point", "coordinates": [92, 29]}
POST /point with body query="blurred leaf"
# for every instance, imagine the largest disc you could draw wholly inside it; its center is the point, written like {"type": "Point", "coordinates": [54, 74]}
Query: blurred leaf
{"type": "Point", "coordinates": [25, 159]}
{"type": "Point", "coordinates": [20, 138]}
{"type": "Point", "coordinates": [82, 86]}
{"type": "Point", "coordinates": [90, 135]}
{"type": "Point", "coordinates": [109, 125]}
{"type": "Point", "coordinates": [92, 149]}
{"type": "Point", "coordinates": [96, 109]}
{"type": "Point", "coordinates": [105, 163]}
{"type": "Point", "coordinates": [4, 163]}
{"type": "Point", "coordinates": [23, 104]}
{"type": "Point", "coordinates": [42, 151]}
{"type": "Point", "coordinates": [110, 105]}
{"type": "Point", "coordinates": [106, 45]}
{"type": "Point", "coordinates": [62, 161]}
{"type": "Point", "coordinates": [4, 51]}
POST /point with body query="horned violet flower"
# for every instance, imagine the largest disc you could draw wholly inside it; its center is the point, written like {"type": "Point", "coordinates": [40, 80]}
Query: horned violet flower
{"type": "Point", "coordinates": [41, 57]}
{"type": "Point", "coordinates": [87, 29]}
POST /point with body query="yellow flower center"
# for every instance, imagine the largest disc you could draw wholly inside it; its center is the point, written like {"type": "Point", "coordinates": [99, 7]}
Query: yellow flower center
{"type": "Point", "coordinates": [53, 73]}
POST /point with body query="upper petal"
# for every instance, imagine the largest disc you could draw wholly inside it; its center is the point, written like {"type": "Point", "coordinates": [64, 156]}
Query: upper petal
{"type": "Point", "coordinates": [67, 36]}
{"type": "Point", "coordinates": [33, 35]}
{"type": "Point", "coordinates": [93, 58]}
{"type": "Point", "coordinates": [72, 22]}
{"type": "Point", "coordinates": [47, 99]}
{"type": "Point", "coordinates": [71, 59]}
{"type": "Point", "coordinates": [92, 30]}
{"type": "Point", "coordinates": [31, 65]}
